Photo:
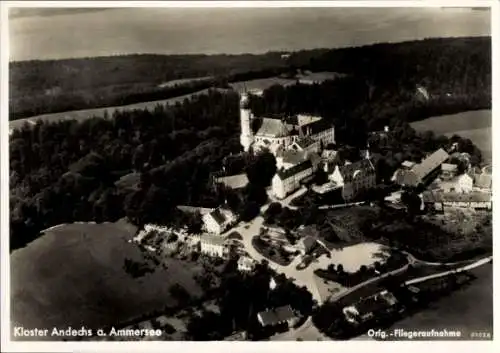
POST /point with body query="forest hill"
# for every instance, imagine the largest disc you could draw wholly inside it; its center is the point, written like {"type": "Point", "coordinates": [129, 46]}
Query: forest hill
{"type": "Point", "coordinates": [461, 66]}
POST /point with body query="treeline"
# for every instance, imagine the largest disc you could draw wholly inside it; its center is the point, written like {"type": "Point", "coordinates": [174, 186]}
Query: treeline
{"type": "Point", "coordinates": [136, 163]}
{"type": "Point", "coordinates": [40, 87]}
{"type": "Point", "coordinates": [459, 66]}
{"type": "Point", "coordinates": [410, 80]}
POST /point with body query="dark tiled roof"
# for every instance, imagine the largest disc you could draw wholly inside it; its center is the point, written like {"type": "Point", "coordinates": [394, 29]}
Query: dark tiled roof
{"type": "Point", "coordinates": [287, 173]}
{"type": "Point", "coordinates": [273, 128]}
{"type": "Point", "coordinates": [430, 163]}
{"type": "Point", "coordinates": [305, 142]}
{"type": "Point", "coordinates": [315, 127]}
{"type": "Point", "coordinates": [218, 216]}
{"type": "Point", "coordinates": [476, 196]}
{"type": "Point", "coordinates": [364, 166]}
{"type": "Point", "coordinates": [293, 157]}
{"type": "Point", "coordinates": [276, 315]}
{"type": "Point", "coordinates": [372, 304]}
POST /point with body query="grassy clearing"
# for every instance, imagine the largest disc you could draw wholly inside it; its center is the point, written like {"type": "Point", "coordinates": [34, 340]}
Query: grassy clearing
{"type": "Point", "coordinates": [261, 84]}
{"type": "Point", "coordinates": [474, 125]}
{"type": "Point", "coordinates": [75, 275]}
{"type": "Point", "coordinates": [88, 113]}
{"type": "Point", "coordinates": [99, 112]}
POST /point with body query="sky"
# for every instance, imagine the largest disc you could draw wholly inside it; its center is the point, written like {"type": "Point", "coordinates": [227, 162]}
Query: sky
{"type": "Point", "coordinates": [66, 33]}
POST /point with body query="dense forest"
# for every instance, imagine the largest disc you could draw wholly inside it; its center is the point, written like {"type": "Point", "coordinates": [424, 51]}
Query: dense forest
{"type": "Point", "coordinates": [104, 169]}
{"type": "Point", "coordinates": [407, 81]}
{"type": "Point", "coordinates": [39, 87]}
{"type": "Point", "coordinates": [456, 72]}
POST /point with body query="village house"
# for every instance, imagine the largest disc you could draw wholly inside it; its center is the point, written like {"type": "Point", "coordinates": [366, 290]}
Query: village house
{"type": "Point", "coordinates": [461, 184]}
{"type": "Point", "coordinates": [213, 246]}
{"type": "Point", "coordinates": [440, 201]}
{"type": "Point", "coordinates": [448, 171]}
{"type": "Point", "coordinates": [424, 172]}
{"type": "Point", "coordinates": [354, 178]}
{"type": "Point", "coordinates": [294, 168]}
{"type": "Point", "coordinates": [368, 308]}
{"type": "Point", "coordinates": [246, 264]}
{"type": "Point", "coordinates": [238, 181]}
{"type": "Point", "coordinates": [217, 221]}
{"type": "Point", "coordinates": [277, 316]}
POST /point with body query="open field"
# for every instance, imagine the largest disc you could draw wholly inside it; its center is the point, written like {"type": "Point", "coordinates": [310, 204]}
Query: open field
{"type": "Point", "coordinates": [260, 84]}
{"type": "Point", "coordinates": [474, 125]}
{"type": "Point", "coordinates": [74, 275]}
{"type": "Point", "coordinates": [240, 86]}
{"type": "Point", "coordinates": [183, 81]}
{"type": "Point", "coordinates": [99, 112]}
{"type": "Point", "coordinates": [354, 256]}
{"type": "Point", "coordinates": [468, 309]}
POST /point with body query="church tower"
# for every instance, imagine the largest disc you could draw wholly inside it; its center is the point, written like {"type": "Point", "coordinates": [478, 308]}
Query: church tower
{"type": "Point", "coordinates": [246, 137]}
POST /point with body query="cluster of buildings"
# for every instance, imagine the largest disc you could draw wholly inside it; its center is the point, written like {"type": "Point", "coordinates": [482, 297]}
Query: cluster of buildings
{"type": "Point", "coordinates": [212, 242]}
{"type": "Point", "coordinates": [447, 187]}
{"type": "Point", "coordinates": [299, 144]}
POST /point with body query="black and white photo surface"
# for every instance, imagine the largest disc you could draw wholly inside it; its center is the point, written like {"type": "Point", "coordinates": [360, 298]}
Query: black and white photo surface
{"type": "Point", "coordinates": [181, 173]}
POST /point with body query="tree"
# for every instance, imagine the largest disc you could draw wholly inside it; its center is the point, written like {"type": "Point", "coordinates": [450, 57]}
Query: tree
{"type": "Point", "coordinates": [412, 201]}
{"type": "Point", "coordinates": [340, 268]}
{"type": "Point", "coordinates": [261, 169]}
{"type": "Point", "coordinates": [272, 211]}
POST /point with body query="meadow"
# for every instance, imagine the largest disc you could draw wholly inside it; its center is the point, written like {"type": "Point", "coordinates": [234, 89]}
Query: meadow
{"type": "Point", "coordinates": [240, 86]}
{"type": "Point", "coordinates": [74, 275]}
{"type": "Point", "coordinates": [474, 125]}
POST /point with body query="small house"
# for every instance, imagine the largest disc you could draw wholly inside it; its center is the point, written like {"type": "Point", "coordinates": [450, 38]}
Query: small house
{"type": "Point", "coordinates": [277, 316]}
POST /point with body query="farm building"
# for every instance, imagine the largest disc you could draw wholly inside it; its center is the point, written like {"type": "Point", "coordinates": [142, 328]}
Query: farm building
{"type": "Point", "coordinates": [368, 308]}
{"type": "Point", "coordinates": [277, 316]}
{"type": "Point", "coordinates": [442, 200]}
{"type": "Point", "coordinates": [424, 172]}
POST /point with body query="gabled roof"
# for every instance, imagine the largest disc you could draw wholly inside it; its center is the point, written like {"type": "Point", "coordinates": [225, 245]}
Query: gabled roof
{"type": "Point", "coordinates": [273, 128]}
{"type": "Point", "coordinates": [218, 216]}
{"type": "Point", "coordinates": [212, 240]}
{"type": "Point", "coordinates": [246, 261]}
{"type": "Point", "coordinates": [361, 167]}
{"type": "Point", "coordinates": [293, 157]}
{"type": "Point", "coordinates": [314, 127]}
{"type": "Point", "coordinates": [448, 167]}
{"type": "Point", "coordinates": [430, 163]}
{"type": "Point", "coordinates": [408, 164]}
{"type": "Point", "coordinates": [237, 181]}
{"type": "Point", "coordinates": [305, 142]}
{"type": "Point", "coordinates": [276, 315]}
{"type": "Point", "coordinates": [284, 174]}
{"type": "Point", "coordinates": [374, 303]}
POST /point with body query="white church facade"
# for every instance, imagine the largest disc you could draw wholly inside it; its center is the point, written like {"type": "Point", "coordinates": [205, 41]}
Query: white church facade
{"type": "Point", "coordinates": [307, 132]}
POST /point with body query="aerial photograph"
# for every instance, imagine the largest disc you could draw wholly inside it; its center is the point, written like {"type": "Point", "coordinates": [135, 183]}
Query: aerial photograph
{"type": "Point", "coordinates": [249, 174]}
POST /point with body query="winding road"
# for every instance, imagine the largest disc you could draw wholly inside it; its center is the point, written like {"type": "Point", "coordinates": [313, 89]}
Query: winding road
{"type": "Point", "coordinates": [306, 277]}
